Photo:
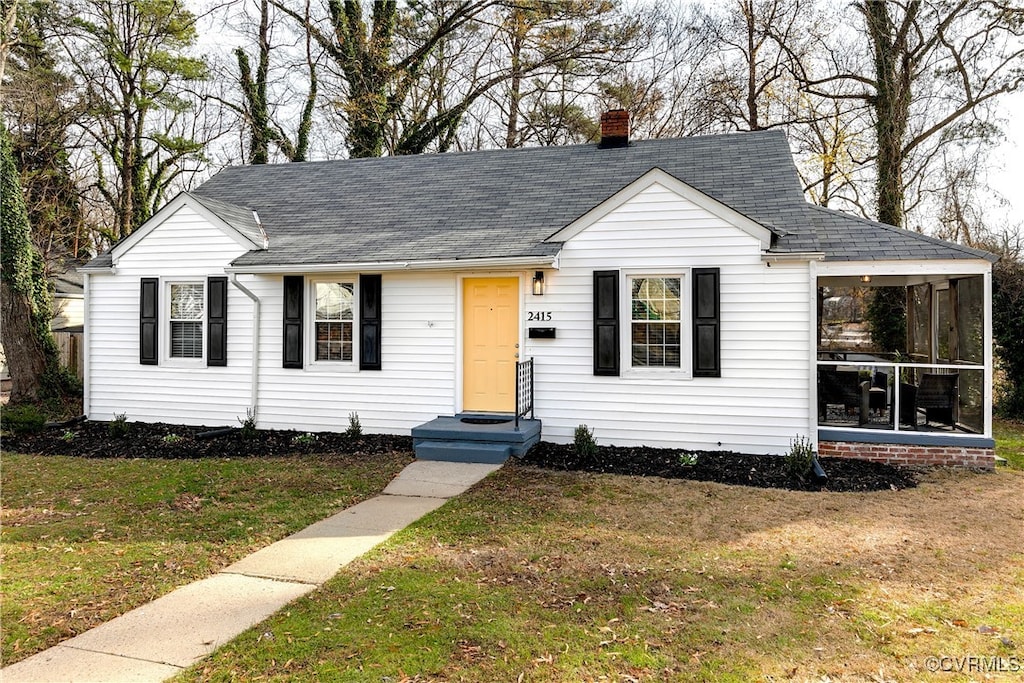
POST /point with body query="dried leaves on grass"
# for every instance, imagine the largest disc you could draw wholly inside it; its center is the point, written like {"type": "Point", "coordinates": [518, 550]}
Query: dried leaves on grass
{"type": "Point", "coordinates": [563, 576]}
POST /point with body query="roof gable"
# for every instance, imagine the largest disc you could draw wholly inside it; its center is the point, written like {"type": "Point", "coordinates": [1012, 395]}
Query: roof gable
{"type": "Point", "coordinates": [244, 220]}
{"type": "Point", "coordinates": [656, 176]}
{"type": "Point", "coordinates": [230, 219]}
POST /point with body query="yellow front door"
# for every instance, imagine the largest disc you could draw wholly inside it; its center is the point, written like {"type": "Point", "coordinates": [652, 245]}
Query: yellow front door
{"type": "Point", "coordinates": [490, 324]}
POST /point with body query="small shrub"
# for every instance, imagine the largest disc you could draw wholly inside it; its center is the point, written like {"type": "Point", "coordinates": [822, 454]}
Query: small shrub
{"type": "Point", "coordinates": [248, 430]}
{"type": "Point", "coordinates": [22, 419]}
{"type": "Point", "coordinates": [119, 427]}
{"type": "Point", "coordinates": [800, 458]}
{"type": "Point", "coordinates": [68, 435]}
{"type": "Point", "coordinates": [583, 440]}
{"type": "Point", "coordinates": [304, 439]}
{"type": "Point", "coordinates": [172, 438]}
{"type": "Point", "coordinates": [355, 430]}
{"type": "Point", "coordinates": [687, 459]}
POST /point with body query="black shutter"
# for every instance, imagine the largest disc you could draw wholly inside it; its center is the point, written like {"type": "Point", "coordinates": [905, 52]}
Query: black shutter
{"type": "Point", "coordinates": [707, 338]}
{"type": "Point", "coordinates": [149, 324]}
{"type": "Point", "coordinates": [293, 287]}
{"type": "Point", "coordinates": [217, 321]}
{"type": "Point", "coordinates": [606, 322]}
{"type": "Point", "coordinates": [369, 322]}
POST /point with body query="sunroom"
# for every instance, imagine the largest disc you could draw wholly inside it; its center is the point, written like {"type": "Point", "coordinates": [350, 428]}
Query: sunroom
{"type": "Point", "coordinates": [921, 376]}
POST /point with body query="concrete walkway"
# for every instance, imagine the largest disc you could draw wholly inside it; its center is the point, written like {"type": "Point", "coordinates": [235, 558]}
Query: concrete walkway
{"type": "Point", "coordinates": [160, 639]}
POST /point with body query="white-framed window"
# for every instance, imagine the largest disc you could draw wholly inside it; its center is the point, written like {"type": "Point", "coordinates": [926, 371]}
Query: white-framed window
{"type": "Point", "coordinates": [655, 335]}
{"type": "Point", "coordinates": [186, 319]}
{"type": "Point", "coordinates": [334, 313]}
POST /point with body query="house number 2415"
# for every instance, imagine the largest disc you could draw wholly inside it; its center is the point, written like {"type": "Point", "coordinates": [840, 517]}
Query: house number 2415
{"type": "Point", "coordinates": [538, 316]}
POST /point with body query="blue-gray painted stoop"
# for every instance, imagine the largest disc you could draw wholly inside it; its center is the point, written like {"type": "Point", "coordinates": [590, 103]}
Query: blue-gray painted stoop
{"type": "Point", "coordinates": [454, 439]}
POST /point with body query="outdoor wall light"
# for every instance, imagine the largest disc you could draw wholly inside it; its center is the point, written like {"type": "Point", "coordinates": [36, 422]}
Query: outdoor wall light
{"type": "Point", "coordinates": [865, 279]}
{"type": "Point", "coordinates": [538, 283]}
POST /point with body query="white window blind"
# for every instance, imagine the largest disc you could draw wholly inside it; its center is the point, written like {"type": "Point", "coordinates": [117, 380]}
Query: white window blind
{"type": "Point", "coordinates": [335, 312]}
{"type": "Point", "coordinates": [187, 312]}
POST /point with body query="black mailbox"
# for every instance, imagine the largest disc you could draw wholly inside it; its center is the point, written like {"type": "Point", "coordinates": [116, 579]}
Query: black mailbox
{"type": "Point", "coordinates": [542, 333]}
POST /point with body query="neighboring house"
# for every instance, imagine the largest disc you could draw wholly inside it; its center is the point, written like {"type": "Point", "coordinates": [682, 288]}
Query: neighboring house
{"type": "Point", "coordinates": [69, 319]}
{"type": "Point", "coordinates": [665, 290]}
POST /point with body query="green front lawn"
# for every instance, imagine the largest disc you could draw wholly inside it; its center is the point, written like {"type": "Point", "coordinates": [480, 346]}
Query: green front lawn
{"type": "Point", "coordinates": [548, 576]}
{"type": "Point", "coordinates": [542, 576]}
{"type": "Point", "coordinates": [1010, 441]}
{"type": "Point", "coordinates": [85, 540]}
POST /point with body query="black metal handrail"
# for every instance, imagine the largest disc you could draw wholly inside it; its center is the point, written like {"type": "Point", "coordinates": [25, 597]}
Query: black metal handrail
{"type": "Point", "coordinates": [524, 389]}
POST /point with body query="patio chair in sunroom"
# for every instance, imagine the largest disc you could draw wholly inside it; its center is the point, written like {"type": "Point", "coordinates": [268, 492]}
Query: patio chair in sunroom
{"type": "Point", "coordinates": [935, 395]}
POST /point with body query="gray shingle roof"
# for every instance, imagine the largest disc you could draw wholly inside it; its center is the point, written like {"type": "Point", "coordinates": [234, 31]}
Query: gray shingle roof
{"type": "Point", "coordinates": [100, 262]}
{"type": "Point", "coordinates": [848, 238]}
{"type": "Point", "coordinates": [505, 203]}
{"type": "Point", "coordinates": [499, 203]}
{"type": "Point", "coordinates": [240, 218]}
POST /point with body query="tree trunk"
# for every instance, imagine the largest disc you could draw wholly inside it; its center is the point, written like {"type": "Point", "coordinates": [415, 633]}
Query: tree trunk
{"type": "Point", "coordinates": [24, 298]}
{"type": "Point", "coordinates": [891, 103]}
{"type": "Point", "coordinates": [515, 82]}
{"type": "Point", "coordinates": [752, 114]}
{"type": "Point", "coordinates": [306, 120]}
{"type": "Point", "coordinates": [26, 360]}
{"type": "Point", "coordinates": [254, 90]}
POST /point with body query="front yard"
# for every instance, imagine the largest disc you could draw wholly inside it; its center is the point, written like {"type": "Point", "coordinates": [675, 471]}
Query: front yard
{"type": "Point", "coordinates": [84, 540]}
{"type": "Point", "coordinates": [548, 576]}
{"type": "Point", "coordinates": [537, 575]}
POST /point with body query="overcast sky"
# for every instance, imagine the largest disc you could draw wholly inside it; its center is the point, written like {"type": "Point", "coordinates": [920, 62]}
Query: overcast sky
{"type": "Point", "coordinates": [1009, 179]}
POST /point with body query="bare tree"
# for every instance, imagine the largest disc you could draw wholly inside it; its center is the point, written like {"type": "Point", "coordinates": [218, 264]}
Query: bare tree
{"type": "Point", "coordinates": [383, 53]}
{"type": "Point", "coordinates": [832, 145]}
{"type": "Point", "coordinates": [540, 102]}
{"type": "Point", "coordinates": [936, 66]}
{"type": "Point", "coordinates": [260, 113]}
{"type": "Point", "coordinates": [759, 43]}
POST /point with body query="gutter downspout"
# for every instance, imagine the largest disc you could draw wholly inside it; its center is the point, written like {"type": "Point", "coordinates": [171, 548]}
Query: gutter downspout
{"type": "Point", "coordinates": [86, 343]}
{"type": "Point", "coordinates": [255, 340]}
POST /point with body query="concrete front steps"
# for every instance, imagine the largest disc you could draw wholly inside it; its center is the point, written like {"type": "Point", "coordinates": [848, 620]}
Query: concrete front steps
{"type": "Point", "coordinates": [474, 437]}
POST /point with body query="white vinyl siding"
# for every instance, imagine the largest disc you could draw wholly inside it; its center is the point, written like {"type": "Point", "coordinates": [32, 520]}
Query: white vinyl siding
{"type": "Point", "coordinates": [416, 381]}
{"type": "Point", "coordinates": [184, 248]}
{"type": "Point", "coordinates": [758, 405]}
{"type": "Point", "coordinates": [761, 400]}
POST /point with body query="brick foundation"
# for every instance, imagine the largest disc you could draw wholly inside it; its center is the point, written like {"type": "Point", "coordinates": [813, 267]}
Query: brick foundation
{"type": "Point", "coordinates": [907, 454]}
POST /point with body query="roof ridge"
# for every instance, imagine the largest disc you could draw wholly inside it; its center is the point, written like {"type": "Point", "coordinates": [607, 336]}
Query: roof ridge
{"type": "Point", "coordinates": [492, 151]}
{"type": "Point", "coordinates": [909, 233]}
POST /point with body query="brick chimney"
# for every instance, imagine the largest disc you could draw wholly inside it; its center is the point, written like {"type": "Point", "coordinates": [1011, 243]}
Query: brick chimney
{"type": "Point", "coordinates": [614, 129]}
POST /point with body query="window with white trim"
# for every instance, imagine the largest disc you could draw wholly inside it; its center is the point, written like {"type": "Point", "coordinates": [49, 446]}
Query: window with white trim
{"type": "Point", "coordinates": [655, 321]}
{"type": "Point", "coordinates": [187, 318]}
{"type": "Point", "coordinates": [333, 320]}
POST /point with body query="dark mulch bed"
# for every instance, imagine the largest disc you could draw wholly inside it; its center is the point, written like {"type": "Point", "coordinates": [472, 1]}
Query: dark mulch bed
{"type": "Point", "coordinates": [765, 471]}
{"type": "Point", "coordinates": [93, 440]}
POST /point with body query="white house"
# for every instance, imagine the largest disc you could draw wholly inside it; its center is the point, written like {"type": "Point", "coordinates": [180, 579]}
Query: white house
{"type": "Point", "coordinates": [666, 292]}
